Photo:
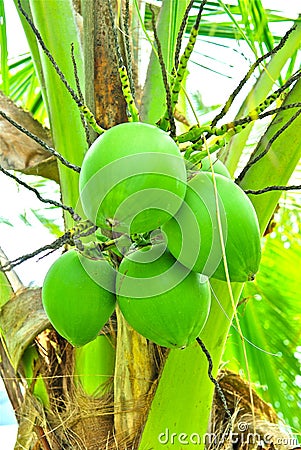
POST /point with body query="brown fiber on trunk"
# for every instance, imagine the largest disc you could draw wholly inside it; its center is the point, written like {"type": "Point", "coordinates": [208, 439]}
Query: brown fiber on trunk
{"type": "Point", "coordinates": [254, 424]}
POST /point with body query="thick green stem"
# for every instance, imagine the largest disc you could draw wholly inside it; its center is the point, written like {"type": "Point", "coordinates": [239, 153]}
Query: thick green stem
{"type": "Point", "coordinates": [56, 18]}
{"type": "Point", "coordinates": [154, 96]}
{"type": "Point", "coordinates": [34, 47]}
{"type": "Point", "coordinates": [184, 394]}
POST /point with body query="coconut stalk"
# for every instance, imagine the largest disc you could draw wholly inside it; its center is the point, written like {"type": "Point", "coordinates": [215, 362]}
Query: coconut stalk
{"type": "Point", "coordinates": [231, 154]}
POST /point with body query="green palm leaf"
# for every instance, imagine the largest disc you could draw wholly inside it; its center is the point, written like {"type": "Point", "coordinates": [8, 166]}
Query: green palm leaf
{"type": "Point", "coordinates": [4, 86]}
{"type": "Point", "coordinates": [18, 78]}
{"type": "Point", "coordinates": [24, 87]}
{"type": "Point", "coordinates": [221, 19]}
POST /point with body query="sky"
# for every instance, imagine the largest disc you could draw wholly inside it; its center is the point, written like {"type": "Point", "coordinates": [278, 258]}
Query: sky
{"type": "Point", "coordinates": [24, 233]}
{"type": "Point", "coordinates": [17, 44]}
{"type": "Point", "coordinates": [16, 202]}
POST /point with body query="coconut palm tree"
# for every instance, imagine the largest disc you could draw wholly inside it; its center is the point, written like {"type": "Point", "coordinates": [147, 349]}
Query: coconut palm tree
{"type": "Point", "coordinates": [121, 390]}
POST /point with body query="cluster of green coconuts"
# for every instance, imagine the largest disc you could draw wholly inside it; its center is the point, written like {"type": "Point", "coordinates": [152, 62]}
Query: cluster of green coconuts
{"type": "Point", "coordinates": [135, 182]}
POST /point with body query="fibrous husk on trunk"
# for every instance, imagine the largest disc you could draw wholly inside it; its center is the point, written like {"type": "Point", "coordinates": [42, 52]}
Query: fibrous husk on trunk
{"type": "Point", "coordinates": [253, 426]}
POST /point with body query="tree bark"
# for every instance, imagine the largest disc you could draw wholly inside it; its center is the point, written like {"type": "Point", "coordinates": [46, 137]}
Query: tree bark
{"type": "Point", "coordinates": [103, 89]}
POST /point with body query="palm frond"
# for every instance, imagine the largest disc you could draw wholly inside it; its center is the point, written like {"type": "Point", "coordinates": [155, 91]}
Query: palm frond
{"type": "Point", "coordinates": [24, 87]}
{"type": "Point", "coordinates": [247, 22]}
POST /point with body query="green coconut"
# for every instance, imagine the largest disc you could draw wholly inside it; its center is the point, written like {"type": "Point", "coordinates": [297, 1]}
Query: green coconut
{"type": "Point", "coordinates": [217, 165]}
{"type": "Point", "coordinates": [194, 233]}
{"type": "Point", "coordinates": [78, 296]}
{"type": "Point", "coordinates": [133, 178]}
{"type": "Point", "coordinates": [160, 298]}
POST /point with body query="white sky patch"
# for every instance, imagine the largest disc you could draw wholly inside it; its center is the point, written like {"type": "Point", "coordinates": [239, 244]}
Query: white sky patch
{"type": "Point", "coordinates": [17, 43]}
{"type": "Point", "coordinates": [26, 233]}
